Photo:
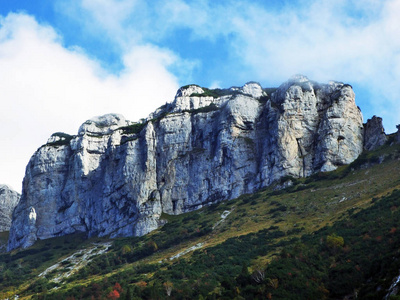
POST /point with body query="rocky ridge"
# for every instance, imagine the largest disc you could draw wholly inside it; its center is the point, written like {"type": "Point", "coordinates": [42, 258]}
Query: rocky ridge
{"type": "Point", "coordinates": [116, 178]}
{"type": "Point", "coordinates": [8, 201]}
{"type": "Point", "coordinates": [374, 134]}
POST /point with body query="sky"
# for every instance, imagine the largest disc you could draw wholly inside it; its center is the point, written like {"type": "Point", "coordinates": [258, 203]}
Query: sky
{"type": "Point", "coordinates": [63, 62]}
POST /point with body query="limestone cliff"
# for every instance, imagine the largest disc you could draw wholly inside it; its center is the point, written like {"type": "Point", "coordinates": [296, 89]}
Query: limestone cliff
{"type": "Point", "coordinates": [374, 134]}
{"type": "Point", "coordinates": [8, 201]}
{"type": "Point", "coordinates": [116, 177]}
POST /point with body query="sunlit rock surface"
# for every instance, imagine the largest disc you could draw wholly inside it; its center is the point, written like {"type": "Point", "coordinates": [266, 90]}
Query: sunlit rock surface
{"type": "Point", "coordinates": [115, 177]}
{"type": "Point", "coordinates": [8, 201]}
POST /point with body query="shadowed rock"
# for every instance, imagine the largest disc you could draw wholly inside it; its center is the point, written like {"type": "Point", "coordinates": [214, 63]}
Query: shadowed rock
{"type": "Point", "coordinates": [374, 134]}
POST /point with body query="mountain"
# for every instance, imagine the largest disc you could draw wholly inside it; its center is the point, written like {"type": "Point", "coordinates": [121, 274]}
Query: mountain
{"type": "Point", "coordinates": [8, 201]}
{"type": "Point", "coordinates": [332, 235]}
{"type": "Point", "coordinates": [116, 178]}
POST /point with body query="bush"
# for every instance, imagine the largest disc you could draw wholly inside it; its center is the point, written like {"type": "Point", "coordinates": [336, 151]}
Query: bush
{"type": "Point", "coordinates": [133, 129]}
{"type": "Point", "coordinates": [64, 139]}
{"type": "Point", "coordinates": [205, 109]}
{"type": "Point", "coordinates": [334, 241]}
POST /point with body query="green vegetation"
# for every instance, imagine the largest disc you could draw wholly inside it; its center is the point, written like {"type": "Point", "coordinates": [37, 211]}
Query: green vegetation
{"type": "Point", "coordinates": [3, 240]}
{"type": "Point", "coordinates": [215, 93]}
{"type": "Point", "coordinates": [136, 128]}
{"type": "Point", "coordinates": [189, 85]}
{"type": "Point", "coordinates": [133, 129]}
{"type": "Point", "coordinates": [334, 241]}
{"type": "Point", "coordinates": [21, 266]}
{"type": "Point", "coordinates": [347, 85]}
{"type": "Point", "coordinates": [269, 91]}
{"type": "Point", "coordinates": [324, 237]}
{"type": "Point", "coordinates": [65, 139]}
{"type": "Point", "coordinates": [205, 109]}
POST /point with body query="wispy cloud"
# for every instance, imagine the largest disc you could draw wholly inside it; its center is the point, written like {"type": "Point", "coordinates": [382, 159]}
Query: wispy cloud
{"type": "Point", "coordinates": [117, 22]}
{"type": "Point", "coordinates": [328, 40]}
{"type": "Point", "coordinates": [347, 40]}
{"type": "Point", "coordinates": [352, 41]}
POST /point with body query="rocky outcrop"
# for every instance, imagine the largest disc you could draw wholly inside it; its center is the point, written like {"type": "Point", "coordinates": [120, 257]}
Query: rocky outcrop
{"type": "Point", "coordinates": [313, 128]}
{"type": "Point", "coordinates": [116, 178]}
{"type": "Point", "coordinates": [397, 134]}
{"type": "Point", "coordinates": [8, 201]}
{"type": "Point", "coordinates": [374, 134]}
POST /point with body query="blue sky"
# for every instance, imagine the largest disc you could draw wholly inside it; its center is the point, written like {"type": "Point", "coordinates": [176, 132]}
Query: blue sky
{"type": "Point", "coordinates": [62, 62]}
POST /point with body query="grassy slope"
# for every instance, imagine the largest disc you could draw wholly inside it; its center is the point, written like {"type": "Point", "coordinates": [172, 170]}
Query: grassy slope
{"type": "Point", "coordinates": [279, 234]}
{"type": "Point", "coordinates": [3, 241]}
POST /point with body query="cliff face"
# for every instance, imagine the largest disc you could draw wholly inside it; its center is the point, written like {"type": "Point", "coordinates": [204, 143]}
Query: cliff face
{"type": "Point", "coordinates": [8, 201]}
{"type": "Point", "coordinates": [374, 134]}
{"type": "Point", "coordinates": [116, 177]}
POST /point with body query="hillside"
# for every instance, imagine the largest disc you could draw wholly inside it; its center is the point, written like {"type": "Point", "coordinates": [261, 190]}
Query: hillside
{"type": "Point", "coordinates": [331, 235]}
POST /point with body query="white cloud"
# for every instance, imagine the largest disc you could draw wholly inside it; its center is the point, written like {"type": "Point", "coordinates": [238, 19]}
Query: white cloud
{"type": "Point", "coordinates": [121, 23]}
{"type": "Point", "coordinates": [348, 40]}
{"type": "Point", "coordinates": [345, 40]}
{"type": "Point", "coordinates": [325, 40]}
{"type": "Point", "coordinates": [46, 88]}
{"type": "Point", "coordinates": [352, 41]}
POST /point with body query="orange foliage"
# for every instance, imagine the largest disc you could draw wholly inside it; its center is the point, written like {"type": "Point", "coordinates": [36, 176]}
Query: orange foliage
{"type": "Point", "coordinates": [118, 287]}
{"type": "Point", "coordinates": [141, 284]}
{"type": "Point", "coordinates": [113, 295]}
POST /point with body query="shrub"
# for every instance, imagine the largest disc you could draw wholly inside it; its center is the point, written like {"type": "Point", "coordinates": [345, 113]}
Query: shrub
{"type": "Point", "coordinates": [334, 241]}
{"type": "Point", "coordinates": [205, 109]}
{"type": "Point", "coordinates": [64, 139]}
{"type": "Point", "coordinates": [215, 93]}
{"type": "Point", "coordinates": [133, 129]}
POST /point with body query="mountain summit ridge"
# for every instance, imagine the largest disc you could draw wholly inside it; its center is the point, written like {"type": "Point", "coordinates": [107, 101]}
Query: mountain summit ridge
{"type": "Point", "coordinates": [116, 177]}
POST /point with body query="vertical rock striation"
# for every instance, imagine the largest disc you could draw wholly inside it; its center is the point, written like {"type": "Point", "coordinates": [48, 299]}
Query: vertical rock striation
{"type": "Point", "coordinates": [115, 177]}
{"type": "Point", "coordinates": [8, 201]}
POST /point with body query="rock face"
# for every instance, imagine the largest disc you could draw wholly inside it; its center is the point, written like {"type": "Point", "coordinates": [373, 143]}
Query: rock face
{"type": "Point", "coordinates": [397, 135]}
{"type": "Point", "coordinates": [8, 201]}
{"type": "Point", "coordinates": [116, 178]}
{"type": "Point", "coordinates": [374, 134]}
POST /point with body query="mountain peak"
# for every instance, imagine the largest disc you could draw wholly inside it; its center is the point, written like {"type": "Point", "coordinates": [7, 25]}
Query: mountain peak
{"type": "Point", "coordinates": [105, 124]}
